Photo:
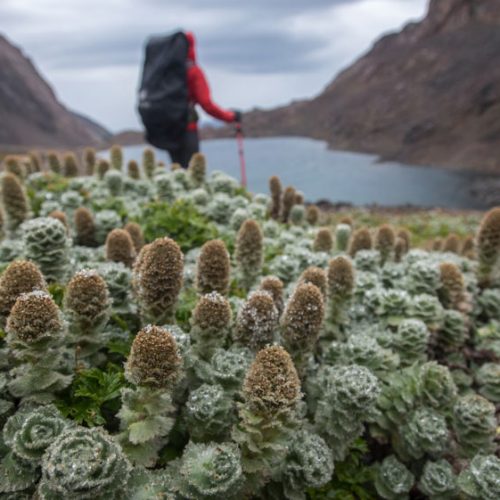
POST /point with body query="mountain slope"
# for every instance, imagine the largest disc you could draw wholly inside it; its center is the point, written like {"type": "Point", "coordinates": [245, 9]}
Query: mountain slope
{"type": "Point", "coordinates": [427, 95]}
{"type": "Point", "coordinates": [30, 113]}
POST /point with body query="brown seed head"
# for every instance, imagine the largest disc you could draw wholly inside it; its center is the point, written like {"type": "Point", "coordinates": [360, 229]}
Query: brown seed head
{"type": "Point", "coordinates": [451, 244]}
{"type": "Point", "coordinates": [274, 286]}
{"type": "Point", "coordinates": [61, 217]}
{"type": "Point", "coordinates": [287, 203]}
{"type": "Point", "coordinates": [87, 295]}
{"type": "Point", "coordinates": [14, 202]}
{"type": "Point", "coordinates": [303, 318]}
{"type": "Point", "coordinates": [468, 246]}
{"type": "Point", "coordinates": [340, 277]}
{"type": "Point", "coordinates": [275, 188]}
{"type": "Point", "coordinates": [84, 227]}
{"type": "Point", "coordinates": [34, 316]}
{"type": "Point", "coordinates": [102, 168]}
{"type": "Point", "coordinates": [257, 321]}
{"type": "Point", "coordinates": [197, 168]}
{"type": "Point", "coordinates": [175, 166]}
{"type": "Point", "coordinates": [361, 240]}
{"type": "Point", "coordinates": [54, 162]}
{"type": "Point", "coordinates": [299, 198]}
{"type": "Point", "coordinates": [452, 285]}
{"type": "Point", "coordinates": [89, 160]}
{"type": "Point", "coordinates": [405, 235]}
{"type": "Point", "coordinates": [250, 250]}
{"type": "Point", "coordinates": [133, 170]}
{"type": "Point", "coordinates": [35, 161]}
{"type": "Point", "coordinates": [488, 237]}
{"type": "Point", "coordinates": [323, 242]}
{"type": "Point", "coordinates": [119, 247]}
{"type": "Point", "coordinates": [13, 165]}
{"type": "Point", "coordinates": [154, 359]}
{"type": "Point", "coordinates": [212, 313]}
{"type": "Point", "coordinates": [214, 267]}
{"type": "Point", "coordinates": [399, 249]}
{"type": "Point", "coordinates": [20, 276]}
{"type": "Point", "coordinates": [70, 165]}
{"type": "Point", "coordinates": [116, 156]}
{"type": "Point", "coordinates": [437, 245]}
{"type": "Point", "coordinates": [271, 384]}
{"type": "Point", "coordinates": [159, 278]}
{"type": "Point", "coordinates": [148, 162]}
{"type": "Point", "coordinates": [347, 220]}
{"type": "Point", "coordinates": [384, 240]}
{"type": "Point", "coordinates": [312, 215]}
{"type": "Point", "coordinates": [135, 232]}
{"type": "Point", "coordinates": [317, 277]}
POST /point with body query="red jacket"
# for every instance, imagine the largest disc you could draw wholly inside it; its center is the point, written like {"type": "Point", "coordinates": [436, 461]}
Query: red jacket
{"type": "Point", "coordinates": [198, 89]}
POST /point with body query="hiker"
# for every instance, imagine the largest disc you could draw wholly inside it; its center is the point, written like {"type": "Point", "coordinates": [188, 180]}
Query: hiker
{"type": "Point", "coordinates": [198, 93]}
{"type": "Point", "coordinates": [172, 84]}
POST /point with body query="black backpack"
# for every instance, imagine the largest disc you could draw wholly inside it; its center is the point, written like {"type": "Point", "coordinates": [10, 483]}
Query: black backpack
{"type": "Point", "coordinates": [163, 94]}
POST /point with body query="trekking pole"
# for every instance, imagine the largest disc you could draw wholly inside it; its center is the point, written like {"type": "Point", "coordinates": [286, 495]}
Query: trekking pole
{"type": "Point", "coordinates": [243, 170]}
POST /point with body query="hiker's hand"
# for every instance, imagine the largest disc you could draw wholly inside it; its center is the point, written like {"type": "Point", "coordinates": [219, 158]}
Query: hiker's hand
{"type": "Point", "coordinates": [237, 115]}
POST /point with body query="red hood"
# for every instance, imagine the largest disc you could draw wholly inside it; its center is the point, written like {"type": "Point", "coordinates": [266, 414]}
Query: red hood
{"type": "Point", "coordinates": [191, 46]}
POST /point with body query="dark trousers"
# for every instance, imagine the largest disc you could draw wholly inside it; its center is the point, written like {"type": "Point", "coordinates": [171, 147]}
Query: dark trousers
{"type": "Point", "coordinates": [183, 153]}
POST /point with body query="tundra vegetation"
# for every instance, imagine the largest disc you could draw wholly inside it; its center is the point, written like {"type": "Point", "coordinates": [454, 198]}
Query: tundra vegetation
{"type": "Point", "coordinates": [167, 334]}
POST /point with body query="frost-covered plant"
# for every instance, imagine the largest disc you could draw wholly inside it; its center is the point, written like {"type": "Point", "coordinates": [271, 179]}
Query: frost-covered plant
{"type": "Point", "coordinates": [257, 321]}
{"type": "Point", "coordinates": [297, 215]}
{"type": "Point", "coordinates": [488, 380]}
{"type": "Point", "coordinates": [240, 215]}
{"type": "Point", "coordinates": [360, 240]}
{"type": "Point", "coordinates": [308, 464]}
{"type": "Point", "coordinates": [312, 215]}
{"type": "Point", "coordinates": [287, 202]}
{"type": "Point", "coordinates": [35, 330]}
{"type": "Point", "coordinates": [118, 279]}
{"type": "Point", "coordinates": [438, 481]}
{"type": "Point", "coordinates": [249, 252]}
{"type": "Point", "coordinates": [119, 247]}
{"type": "Point", "coordinates": [301, 323]}
{"type": "Point", "coordinates": [197, 169]}
{"type": "Point", "coordinates": [46, 243]}
{"type": "Point", "coordinates": [275, 188]}
{"type": "Point", "coordinates": [158, 275]}
{"type": "Point", "coordinates": [285, 267]}
{"type": "Point", "coordinates": [348, 398]}
{"type": "Point", "coordinates": [489, 302]}
{"type": "Point", "coordinates": [83, 464]}
{"type": "Point", "coordinates": [165, 187]}
{"type": "Point", "coordinates": [87, 307]}
{"type": "Point", "coordinates": [342, 236]}
{"type": "Point", "coordinates": [410, 341]}
{"type": "Point", "coordinates": [209, 413]}
{"type": "Point", "coordinates": [153, 367]}
{"type": "Point", "coordinates": [452, 289]}
{"type": "Point", "coordinates": [70, 165]}
{"type": "Point", "coordinates": [84, 227]}
{"type": "Point", "coordinates": [210, 471]}
{"type": "Point", "coordinates": [106, 221]}
{"type": "Point", "coordinates": [488, 245]}
{"type": "Point", "coordinates": [453, 333]}
{"type": "Point", "coordinates": [474, 424]}
{"type": "Point", "coordinates": [15, 206]}
{"type": "Point", "coordinates": [213, 269]}
{"type": "Point", "coordinates": [211, 324]}
{"type": "Point", "coordinates": [367, 260]}
{"type": "Point", "coordinates": [428, 309]}
{"type": "Point", "coordinates": [20, 276]}
{"type": "Point", "coordinates": [422, 277]}
{"type": "Point", "coordinates": [135, 232]}
{"type": "Point", "coordinates": [424, 433]}
{"type": "Point", "coordinates": [480, 480]}
{"type": "Point", "coordinates": [148, 163]}
{"type": "Point", "coordinates": [385, 239]}
{"type": "Point", "coordinates": [267, 416]}
{"type": "Point", "coordinates": [323, 241]}
{"type": "Point", "coordinates": [114, 182]}
{"type": "Point", "coordinates": [393, 481]}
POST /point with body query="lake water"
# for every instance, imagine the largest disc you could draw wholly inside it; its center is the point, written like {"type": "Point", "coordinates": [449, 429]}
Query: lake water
{"type": "Point", "coordinates": [337, 176]}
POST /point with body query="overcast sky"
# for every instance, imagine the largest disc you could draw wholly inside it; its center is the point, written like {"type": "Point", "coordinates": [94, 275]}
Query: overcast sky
{"type": "Point", "coordinates": [257, 53]}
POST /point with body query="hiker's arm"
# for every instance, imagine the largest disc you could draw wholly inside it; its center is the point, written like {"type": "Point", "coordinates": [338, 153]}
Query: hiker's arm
{"type": "Point", "coordinates": [201, 94]}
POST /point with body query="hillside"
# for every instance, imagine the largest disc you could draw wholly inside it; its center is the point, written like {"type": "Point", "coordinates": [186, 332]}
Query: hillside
{"type": "Point", "coordinates": [429, 94]}
{"type": "Point", "coordinates": [30, 111]}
